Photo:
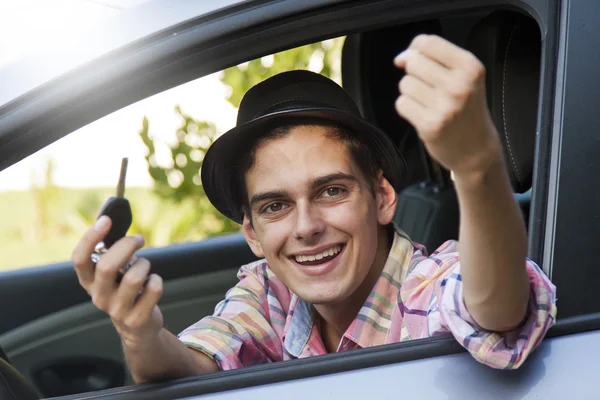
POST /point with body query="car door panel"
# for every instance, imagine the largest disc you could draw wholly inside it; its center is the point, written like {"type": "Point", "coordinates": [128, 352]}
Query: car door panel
{"type": "Point", "coordinates": [432, 368]}
{"type": "Point", "coordinates": [82, 335]}
{"type": "Point", "coordinates": [59, 338]}
{"type": "Point", "coordinates": [53, 288]}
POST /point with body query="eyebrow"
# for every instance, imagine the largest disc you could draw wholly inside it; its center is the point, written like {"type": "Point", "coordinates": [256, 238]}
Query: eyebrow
{"type": "Point", "coordinates": [257, 198]}
{"type": "Point", "coordinates": [323, 180]}
{"type": "Point", "coordinates": [315, 183]}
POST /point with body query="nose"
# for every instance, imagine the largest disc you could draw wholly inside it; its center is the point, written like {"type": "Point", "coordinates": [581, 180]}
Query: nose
{"type": "Point", "coordinates": [309, 223]}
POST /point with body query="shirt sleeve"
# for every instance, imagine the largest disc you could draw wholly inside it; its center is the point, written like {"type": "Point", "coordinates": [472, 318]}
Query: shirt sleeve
{"type": "Point", "coordinates": [240, 332]}
{"type": "Point", "coordinates": [434, 286]}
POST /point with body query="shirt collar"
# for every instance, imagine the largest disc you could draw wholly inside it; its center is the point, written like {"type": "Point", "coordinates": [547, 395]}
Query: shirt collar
{"type": "Point", "coordinates": [371, 325]}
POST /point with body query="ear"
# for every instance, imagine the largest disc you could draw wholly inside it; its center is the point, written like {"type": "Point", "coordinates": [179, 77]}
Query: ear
{"type": "Point", "coordinates": [386, 199]}
{"type": "Point", "coordinates": [251, 238]}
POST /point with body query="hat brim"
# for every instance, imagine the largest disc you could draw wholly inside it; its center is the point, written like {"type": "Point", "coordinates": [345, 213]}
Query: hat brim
{"type": "Point", "coordinates": [220, 166]}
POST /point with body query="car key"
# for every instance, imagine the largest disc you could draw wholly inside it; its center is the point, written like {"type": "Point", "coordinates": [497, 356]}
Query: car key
{"type": "Point", "coordinates": [119, 210]}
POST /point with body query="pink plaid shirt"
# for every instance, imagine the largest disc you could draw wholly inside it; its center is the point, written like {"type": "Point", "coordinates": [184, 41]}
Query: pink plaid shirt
{"type": "Point", "coordinates": [416, 296]}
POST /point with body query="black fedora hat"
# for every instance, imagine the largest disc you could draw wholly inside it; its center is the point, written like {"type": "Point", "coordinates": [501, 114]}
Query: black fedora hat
{"type": "Point", "coordinates": [294, 94]}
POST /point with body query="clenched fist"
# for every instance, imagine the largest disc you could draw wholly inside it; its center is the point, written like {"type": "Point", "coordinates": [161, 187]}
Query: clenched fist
{"type": "Point", "coordinates": [443, 96]}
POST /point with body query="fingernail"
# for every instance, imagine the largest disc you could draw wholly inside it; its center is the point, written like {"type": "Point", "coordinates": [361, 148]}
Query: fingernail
{"type": "Point", "coordinates": [102, 223]}
{"type": "Point", "coordinates": [401, 57]}
{"type": "Point", "coordinates": [140, 239]}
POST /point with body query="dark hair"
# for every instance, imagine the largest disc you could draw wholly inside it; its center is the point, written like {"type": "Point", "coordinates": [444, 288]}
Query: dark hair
{"type": "Point", "coordinates": [361, 153]}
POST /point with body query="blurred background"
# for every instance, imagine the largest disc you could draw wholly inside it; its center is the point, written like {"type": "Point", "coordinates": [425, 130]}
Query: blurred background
{"type": "Point", "coordinates": [53, 196]}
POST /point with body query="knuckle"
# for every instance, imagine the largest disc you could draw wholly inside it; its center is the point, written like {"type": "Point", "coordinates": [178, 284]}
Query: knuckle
{"type": "Point", "coordinates": [476, 69]}
{"type": "Point", "coordinates": [420, 41]}
{"type": "Point", "coordinates": [104, 270]}
{"type": "Point", "coordinates": [400, 104]}
{"type": "Point", "coordinates": [78, 259]}
{"type": "Point", "coordinates": [405, 84]}
{"type": "Point", "coordinates": [413, 63]}
{"type": "Point", "coordinates": [133, 279]}
{"type": "Point", "coordinates": [116, 313]}
{"type": "Point", "coordinates": [448, 111]}
{"type": "Point", "coordinates": [460, 91]}
{"type": "Point", "coordinates": [99, 301]}
{"type": "Point", "coordinates": [137, 273]}
{"type": "Point", "coordinates": [133, 321]}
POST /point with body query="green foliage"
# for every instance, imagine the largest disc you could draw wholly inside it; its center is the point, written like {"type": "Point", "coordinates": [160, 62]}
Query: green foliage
{"type": "Point", "coordinates": [322, 57]}
{"type": "Point", "coordinates": [177, 181]}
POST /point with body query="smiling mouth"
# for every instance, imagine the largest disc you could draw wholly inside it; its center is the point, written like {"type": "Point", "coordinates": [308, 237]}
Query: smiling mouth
{"type": "Point", "coordinates": [320, 258]}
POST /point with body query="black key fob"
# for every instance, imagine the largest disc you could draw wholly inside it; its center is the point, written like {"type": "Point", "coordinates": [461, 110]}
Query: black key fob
{"type": "Point", "coordinates": [119, 211]}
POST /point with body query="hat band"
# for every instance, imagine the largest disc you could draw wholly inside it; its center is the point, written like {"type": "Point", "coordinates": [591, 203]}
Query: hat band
{"type": "Point", "coordinates": [292, 105]}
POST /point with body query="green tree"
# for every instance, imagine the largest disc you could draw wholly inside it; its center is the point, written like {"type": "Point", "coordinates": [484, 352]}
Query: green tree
{"type": "Point", "coordinates": [322, 57]}
{"type": "Point", "coordinates": [179, 182]}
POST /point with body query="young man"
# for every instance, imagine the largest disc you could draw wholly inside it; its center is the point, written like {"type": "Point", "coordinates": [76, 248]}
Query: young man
{"type": "Point", "coordinates": [314, 187]}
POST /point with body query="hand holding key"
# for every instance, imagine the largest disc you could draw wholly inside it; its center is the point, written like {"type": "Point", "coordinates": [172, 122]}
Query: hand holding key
{"type": "Point", "coordinates": [131, 303]}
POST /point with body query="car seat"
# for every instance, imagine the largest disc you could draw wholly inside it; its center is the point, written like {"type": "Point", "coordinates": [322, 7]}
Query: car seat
{"type": "Point", "coordinates": [509, 46]}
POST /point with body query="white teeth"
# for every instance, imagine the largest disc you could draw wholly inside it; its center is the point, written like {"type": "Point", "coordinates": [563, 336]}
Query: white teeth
{"type": "Point", "coordinates": [327, 253]}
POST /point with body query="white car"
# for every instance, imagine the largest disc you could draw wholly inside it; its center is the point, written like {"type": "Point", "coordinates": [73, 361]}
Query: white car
{"type": "Point", "coordinates": [542, 60]}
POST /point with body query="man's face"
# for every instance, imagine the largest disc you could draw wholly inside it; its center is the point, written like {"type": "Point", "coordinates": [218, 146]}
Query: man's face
{"type": "Point", "coordinates": [315, 219]}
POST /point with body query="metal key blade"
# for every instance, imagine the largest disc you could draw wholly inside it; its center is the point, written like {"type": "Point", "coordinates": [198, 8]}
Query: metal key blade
{"type": "Point", "coordinates": [122, 175]}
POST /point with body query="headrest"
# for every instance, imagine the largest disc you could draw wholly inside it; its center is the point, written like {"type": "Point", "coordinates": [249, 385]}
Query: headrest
{"type": "Point", "coordinates": [509, 45]}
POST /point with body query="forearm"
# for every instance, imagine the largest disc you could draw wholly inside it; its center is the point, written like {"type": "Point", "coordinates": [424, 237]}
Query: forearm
{"type": "Point", "coordinates": [493, 248]}
{"type": "Point", "coordinates": [166, 358]}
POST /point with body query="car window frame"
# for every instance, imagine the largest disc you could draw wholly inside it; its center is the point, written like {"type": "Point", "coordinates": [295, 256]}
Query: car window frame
{"type": "Point", "coordinates": [543, 220]}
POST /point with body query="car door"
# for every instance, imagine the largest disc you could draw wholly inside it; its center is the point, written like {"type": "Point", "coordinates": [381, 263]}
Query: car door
{"type": "Point", "coordinates": [55, 323]}
{"type": "Point", "coordinates": [53, 335]}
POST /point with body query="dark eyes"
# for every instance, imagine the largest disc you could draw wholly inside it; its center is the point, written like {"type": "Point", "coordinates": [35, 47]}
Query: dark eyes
{"type": "Point", "coordinates": [273, 208]}
{"type": "Point", "coordinates": [333, 191]}
{"type": "Point", "coordinates": [278, 206]}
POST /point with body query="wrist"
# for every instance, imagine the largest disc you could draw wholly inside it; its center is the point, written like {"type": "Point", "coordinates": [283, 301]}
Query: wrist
{"type": "Point", "coordinates": [139, 344]}
{"type": "Point", "coordinates": [488, 167]}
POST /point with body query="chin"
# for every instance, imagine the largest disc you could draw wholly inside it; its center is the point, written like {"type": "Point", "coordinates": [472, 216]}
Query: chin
{"type": "Point", "coordinates": [323, 296]}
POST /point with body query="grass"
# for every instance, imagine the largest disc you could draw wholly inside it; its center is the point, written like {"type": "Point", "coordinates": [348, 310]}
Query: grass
{"type": "Point", "coordinates": [43, 227]}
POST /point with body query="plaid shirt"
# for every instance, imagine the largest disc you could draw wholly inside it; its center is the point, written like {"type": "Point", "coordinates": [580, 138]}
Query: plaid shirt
{"type": "Point", "coordinates": [416, 296]}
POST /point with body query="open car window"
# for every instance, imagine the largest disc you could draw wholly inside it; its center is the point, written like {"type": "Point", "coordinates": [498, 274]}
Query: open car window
{"type": "Point", "coordinates": [56, 193]}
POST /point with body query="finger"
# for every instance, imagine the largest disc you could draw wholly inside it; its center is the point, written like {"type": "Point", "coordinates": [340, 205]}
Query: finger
{"type": "Point", "coordinates": [84, 267]}
{"type": "Point", "coordinates": [146, 302]}
{"type": "Point", "coordinates": [107, 268]}
{"type": "Point", "coordinates": [131, 285]}
{"type": "Point", "coordinates": [412, 111]}
{"type": "Point", "coordinates": [417, 89]}
{"type": "Point", "coordinates": [426, 69]}
{"type": "Point", "coordinates": [443, 52]}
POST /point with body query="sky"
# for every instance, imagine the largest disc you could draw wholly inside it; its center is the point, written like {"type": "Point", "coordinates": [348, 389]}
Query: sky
{"type": "Point", "coordinates": [91, 156]}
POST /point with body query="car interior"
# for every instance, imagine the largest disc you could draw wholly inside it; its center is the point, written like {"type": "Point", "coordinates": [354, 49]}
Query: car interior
{"type": "Point", "coordinates": [67, 346]}
{"type": "Point", "coordinates": [508, 44]}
